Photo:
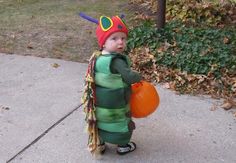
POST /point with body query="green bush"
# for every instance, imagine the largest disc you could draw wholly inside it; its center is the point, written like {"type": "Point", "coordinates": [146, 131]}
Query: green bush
{"type": "Point", "coordinates": [190, 49]}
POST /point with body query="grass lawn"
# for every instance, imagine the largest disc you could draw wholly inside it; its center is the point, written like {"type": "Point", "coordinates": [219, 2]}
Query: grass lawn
{"type": "Point", "coordinates": [52, 28]}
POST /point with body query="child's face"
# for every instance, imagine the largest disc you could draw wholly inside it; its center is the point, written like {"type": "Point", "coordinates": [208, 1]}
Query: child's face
{"type": "Point", "coordinates": [116, 42]}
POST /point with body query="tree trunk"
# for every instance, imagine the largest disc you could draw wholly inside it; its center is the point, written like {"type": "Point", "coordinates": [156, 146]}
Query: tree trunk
{"type": "Point", "coordinates": [161, 9]}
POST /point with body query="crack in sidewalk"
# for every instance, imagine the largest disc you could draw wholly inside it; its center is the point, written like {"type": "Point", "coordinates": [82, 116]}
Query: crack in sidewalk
{"type": "Point", "coordinates": [44, 133]}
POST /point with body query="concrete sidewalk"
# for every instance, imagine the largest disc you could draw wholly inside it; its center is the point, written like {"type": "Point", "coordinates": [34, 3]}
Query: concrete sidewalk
{"type": "Point", "coordinates": [41, 120]}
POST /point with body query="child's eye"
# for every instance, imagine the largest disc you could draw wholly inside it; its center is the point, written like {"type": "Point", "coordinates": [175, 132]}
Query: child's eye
{"type": "Point", "coordinates": [123, 38]}
{"type": "Point", "coordinates": [113, 38]}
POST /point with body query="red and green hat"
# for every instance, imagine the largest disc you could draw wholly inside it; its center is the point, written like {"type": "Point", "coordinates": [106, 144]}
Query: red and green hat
{"type": "Point", "coordinates": [107, 26]}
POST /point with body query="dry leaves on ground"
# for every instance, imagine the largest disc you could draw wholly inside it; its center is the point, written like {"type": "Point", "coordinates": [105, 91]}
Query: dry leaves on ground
{"type": "Point", "coordinates": [145, 62]}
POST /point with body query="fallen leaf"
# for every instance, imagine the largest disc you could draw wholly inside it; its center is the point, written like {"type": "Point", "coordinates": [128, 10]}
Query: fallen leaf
{"type": "Point", "coordinates": [166, 85]}
{"type": "Point", "coordinates": [235, 114]}
{"type": "Point", "coordinates": [55, 65]}
{"type": "Point", "coordinates": [214, 107]}
{"type": "Point", "coordinates": [30, 46]}
{"type": "Point", "coordinates": [161, 49]}
{"type": "Point", "coordinates": [234, 86]}
{"type": "Point", "coordinates": [226, 40]}
{"type": "Point", "coordinates": [227, 106]}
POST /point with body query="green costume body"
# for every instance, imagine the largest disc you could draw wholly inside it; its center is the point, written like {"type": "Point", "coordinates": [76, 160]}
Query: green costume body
{"type": "Point", "coordinates": [113, 78]}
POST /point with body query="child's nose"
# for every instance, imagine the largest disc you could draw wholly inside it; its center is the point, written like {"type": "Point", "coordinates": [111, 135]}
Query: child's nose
{"type": "Point", "coordinates": [120, 40]}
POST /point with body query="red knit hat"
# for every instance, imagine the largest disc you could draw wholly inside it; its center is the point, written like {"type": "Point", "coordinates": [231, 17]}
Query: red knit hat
{"type": "Point", "coordinates": [108, 26]}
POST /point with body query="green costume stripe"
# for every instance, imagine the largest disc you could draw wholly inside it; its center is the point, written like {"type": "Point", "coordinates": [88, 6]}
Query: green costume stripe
{"type": "Point", "coordinates": [115, 138]}
{"type": "Point", "coordinates": [111, 115]}
{"type": "Point", "coordinates": [112, 98]}
{"type": "Point", "coordinates": [114, 127]}
{"type": "Point", "coordinates": [103, 63]}
{"type": "Point", "coordinates": [112, 81]}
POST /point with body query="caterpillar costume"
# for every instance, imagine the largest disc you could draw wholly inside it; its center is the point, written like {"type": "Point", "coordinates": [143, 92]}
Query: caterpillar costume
{"type": "Point", "coordinates": [107, 94]}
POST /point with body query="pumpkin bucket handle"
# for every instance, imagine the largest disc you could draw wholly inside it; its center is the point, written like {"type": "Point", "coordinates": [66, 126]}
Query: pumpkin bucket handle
{"type": "Point", "coordinates": [137, 86]}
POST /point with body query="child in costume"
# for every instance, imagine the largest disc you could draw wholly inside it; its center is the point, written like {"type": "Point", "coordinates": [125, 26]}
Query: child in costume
{"type": "Point", "coordinates": [108, 88]}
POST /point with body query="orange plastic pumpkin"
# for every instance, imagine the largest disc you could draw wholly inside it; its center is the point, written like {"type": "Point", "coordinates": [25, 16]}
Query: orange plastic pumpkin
{"type": "Point", "coordinates": [144, 99]}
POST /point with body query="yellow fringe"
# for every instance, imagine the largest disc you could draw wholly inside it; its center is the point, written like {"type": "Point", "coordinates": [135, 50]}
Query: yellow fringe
{"type": "Point", "coordinates": [92, 129]}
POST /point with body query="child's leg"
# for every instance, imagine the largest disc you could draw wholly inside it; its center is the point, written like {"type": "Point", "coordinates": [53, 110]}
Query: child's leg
{"type": "Point", "coordinates": [102, 146]}
{"type": "Point", "coordinates": [126, 148]}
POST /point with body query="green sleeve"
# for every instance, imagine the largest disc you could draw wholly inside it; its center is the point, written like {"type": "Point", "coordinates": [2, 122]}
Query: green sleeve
{"type": "Point", "coordinates": [129, 76]}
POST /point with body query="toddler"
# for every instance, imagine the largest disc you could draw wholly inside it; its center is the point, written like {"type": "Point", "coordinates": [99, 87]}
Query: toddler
{"type": "Point", "coordinates": [108, 87]}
